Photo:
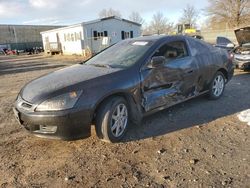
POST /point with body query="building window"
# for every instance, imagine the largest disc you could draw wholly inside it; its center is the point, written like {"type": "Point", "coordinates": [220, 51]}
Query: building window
{"type": "Point", "coordinates": [123, 35]}
{"type": "Point", "coordinates": [131, 34]}
{"type": "Point", "coordinates": [95, 35]}
{"type": "Point", "coordinates": [76, 37]}
{"type": "Point", "coordinates": [68, 37]}
{"type": "Point", "coordinates": [80, 35]}
{"type": "Point", "coordinates": [126, 35]}
{"type": "Point", "coordinates": [105, 33]}
{"type": "Point", "coordinates": [98, 35]}
{"type": "Point", "coordinates": [72, 37]}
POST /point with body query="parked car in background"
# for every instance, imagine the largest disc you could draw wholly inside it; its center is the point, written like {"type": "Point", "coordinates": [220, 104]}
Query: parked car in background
{"type": "Point", "coordinates": [2, 52]}
{"type": "Point", "coordinates": [224, 43]}
{"type": "Point", "coordinates": [10, 52]}
{"type": "Point", "coordinates": [242, 52]}
{"type": "Point", "coordinates": [122, 84]}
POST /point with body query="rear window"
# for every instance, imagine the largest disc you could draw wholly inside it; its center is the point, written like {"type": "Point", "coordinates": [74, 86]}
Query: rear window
{"type": "Point", "coordinates": [200, 46]}
{"type": "Point", "coordinates": [222, 40]}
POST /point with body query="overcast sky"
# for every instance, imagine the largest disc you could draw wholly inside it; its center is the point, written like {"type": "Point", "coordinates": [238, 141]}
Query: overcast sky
{"type": "Point", "coordinates": [65, 12]}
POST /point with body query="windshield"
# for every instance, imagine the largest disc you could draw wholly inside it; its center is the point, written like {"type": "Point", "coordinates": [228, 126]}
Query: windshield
{"type": "Point", "coordinates": [122, 55]}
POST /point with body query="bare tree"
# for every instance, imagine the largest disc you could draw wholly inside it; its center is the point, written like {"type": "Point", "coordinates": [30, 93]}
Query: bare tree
{"type": "Point", "coordinates": [159, 25]}
{"type": "Point", "coordinates": [189, 15]}
{"type": "Point", "coordinates": [233, 12]}
{"type": "Point", "coordinates": [109, 12]}
{"type": "Point", "coordinates": [136, 17]}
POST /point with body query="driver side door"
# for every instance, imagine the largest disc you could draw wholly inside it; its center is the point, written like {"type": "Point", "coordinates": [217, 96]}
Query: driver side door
{"type": "Point", "coordinates": [171, 82]}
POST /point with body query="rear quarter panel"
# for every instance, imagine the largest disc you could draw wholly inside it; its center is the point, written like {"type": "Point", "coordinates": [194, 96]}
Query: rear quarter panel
{"type": "Point", "coordinates": [210, 60]}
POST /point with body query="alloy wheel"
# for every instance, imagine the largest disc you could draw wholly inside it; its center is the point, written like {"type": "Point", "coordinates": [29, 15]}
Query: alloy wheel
{"type": "Point", "coordinates": [119, 120]}
{"type": "Point", "coordinates": [218, 85]}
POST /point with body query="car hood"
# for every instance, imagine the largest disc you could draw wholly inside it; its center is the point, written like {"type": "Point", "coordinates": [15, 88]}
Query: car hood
{"type": "Point", "coordinates": [243, 35]}
{"type": "Point", "coordinates": [60, 79]}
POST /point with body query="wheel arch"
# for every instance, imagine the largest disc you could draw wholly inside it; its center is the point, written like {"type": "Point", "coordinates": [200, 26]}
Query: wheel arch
{"type": "Point", "coordinates": [136, 114]}
{"type": "Point", "coordinates": [224, 72]}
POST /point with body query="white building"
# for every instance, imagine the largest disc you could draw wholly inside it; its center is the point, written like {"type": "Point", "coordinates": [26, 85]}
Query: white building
{"type": "Point", "coordinates": [89, 37]}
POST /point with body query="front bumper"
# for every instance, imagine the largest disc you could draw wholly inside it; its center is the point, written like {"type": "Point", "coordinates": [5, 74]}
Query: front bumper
{"type": "Point", "coordinates": [66, 125]}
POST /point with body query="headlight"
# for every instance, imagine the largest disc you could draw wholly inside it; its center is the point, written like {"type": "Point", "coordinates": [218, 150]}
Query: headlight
{"type": "Point", "coordinates": [61, 102]}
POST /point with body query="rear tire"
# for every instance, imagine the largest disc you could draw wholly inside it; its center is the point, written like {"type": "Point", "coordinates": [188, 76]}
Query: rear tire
{"type": "Point", "coordinates": [217, 86]}
{"type": "Point", "coordinates": [112, 119]}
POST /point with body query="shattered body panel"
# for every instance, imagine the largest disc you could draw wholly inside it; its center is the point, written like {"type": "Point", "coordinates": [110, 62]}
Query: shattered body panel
{"type": "Point", "coordinates": [169, 84]}
{"type": "Point", "coordinates": [189, 67]}
{"type": "Point", "coordinates": [182, 78]}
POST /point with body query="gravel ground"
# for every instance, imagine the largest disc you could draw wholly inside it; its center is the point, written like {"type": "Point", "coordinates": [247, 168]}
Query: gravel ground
{"type": "Point", "coordinates": [199, 143]}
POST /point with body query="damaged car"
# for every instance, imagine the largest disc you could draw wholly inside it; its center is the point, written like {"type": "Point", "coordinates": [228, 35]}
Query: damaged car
{"type": "Point", "coordinates": [242, 52]}
{"type": "Point", "coordinates": [224, 43]}
{"type": "Point", "coordinates": [119, 86]}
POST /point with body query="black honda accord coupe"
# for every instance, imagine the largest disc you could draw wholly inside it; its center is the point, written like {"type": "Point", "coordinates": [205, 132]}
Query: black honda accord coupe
{"type": "Point", "coordinates": [119, 86]}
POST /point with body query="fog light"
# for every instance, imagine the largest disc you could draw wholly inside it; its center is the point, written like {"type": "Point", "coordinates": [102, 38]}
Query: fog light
{"type": "Point", "coordinates": [46, 129]}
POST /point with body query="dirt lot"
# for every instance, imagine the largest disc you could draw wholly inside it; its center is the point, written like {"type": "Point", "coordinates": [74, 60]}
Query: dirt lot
{"type": "Point", "coordinates": [200, 143]}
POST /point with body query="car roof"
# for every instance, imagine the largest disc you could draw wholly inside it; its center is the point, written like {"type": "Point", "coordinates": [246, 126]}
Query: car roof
{"type": "Point", "coordinates": [160, 37]}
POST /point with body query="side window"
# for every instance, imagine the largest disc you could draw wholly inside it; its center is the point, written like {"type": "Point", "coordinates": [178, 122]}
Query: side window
{"type": "Point", "coordinates": [172, 50]}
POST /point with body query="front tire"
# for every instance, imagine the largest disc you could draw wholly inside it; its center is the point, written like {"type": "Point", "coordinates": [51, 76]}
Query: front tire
{"type": "Point", "coordinates": [217, 86]}
{"type": "Point", "coordinates": [112, 119]}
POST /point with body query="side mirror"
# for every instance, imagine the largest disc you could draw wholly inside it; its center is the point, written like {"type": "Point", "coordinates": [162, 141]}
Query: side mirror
{"type": "Point", "coordinates": [230, 45]}
{"type": "Point", "coordinates": [157, 61]}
